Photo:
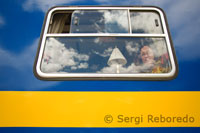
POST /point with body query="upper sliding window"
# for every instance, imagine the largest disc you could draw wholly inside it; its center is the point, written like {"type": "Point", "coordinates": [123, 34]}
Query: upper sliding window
{"type": "Point", "coordinates": [90, 21]}
{"type": "Point", "coordinates": [103, 43]}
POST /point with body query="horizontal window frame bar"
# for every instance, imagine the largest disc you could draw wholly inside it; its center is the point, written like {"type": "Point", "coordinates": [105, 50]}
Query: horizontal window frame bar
{"type": "Point", "coordinates": [106, 35]}
{"type": "Point", "coordinates": [95, 76]}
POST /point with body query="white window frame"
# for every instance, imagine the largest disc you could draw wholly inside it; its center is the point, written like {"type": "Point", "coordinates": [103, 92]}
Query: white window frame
{"type": "Point", "coordinates": [94, 76]}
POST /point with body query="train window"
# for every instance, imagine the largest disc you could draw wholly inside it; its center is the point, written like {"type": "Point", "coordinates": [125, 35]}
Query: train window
{"type": "Point", "coordinates": [103, 43]}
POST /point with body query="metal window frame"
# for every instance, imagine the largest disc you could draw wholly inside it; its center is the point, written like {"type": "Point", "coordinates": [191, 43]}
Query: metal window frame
{"type": "Point", "coordinates": [94, 76]}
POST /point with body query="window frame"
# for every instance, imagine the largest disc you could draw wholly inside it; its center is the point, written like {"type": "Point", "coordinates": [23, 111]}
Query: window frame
{"type": "Point", "coordinates": [94, 76]}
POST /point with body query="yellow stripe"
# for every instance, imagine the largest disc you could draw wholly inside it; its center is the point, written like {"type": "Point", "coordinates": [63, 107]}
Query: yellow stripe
{"type": "Point", "coordinates": [88, 109]}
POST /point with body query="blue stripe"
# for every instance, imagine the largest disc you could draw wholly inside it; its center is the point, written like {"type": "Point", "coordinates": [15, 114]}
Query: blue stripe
{"type": "Point", "coordinates": [98, 130]}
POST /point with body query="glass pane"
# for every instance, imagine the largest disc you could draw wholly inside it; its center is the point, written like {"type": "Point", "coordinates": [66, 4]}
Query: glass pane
{"type": "Point", "coordinates": [127, 55]}
{"type": "Point", "coordinates": [146, 22]}
{"type": "Point", "coordinates": [99, 21]}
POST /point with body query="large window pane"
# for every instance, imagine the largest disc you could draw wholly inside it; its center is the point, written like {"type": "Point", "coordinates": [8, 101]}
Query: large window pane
{"type": "Point", "coordinates": [127, 55]}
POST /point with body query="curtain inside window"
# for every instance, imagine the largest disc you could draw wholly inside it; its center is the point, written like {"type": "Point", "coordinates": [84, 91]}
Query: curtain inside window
{"type": "Point", "coordinates": [58, 23]}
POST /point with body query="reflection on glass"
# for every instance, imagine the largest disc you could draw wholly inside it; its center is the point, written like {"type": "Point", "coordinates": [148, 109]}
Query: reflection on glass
{"type": "Point", "coordinates": [117, 59]}
{"type": "Point", "coordinates": [99, 21]}
{"type": "Point", "coordinates": [123, 55]}
{"type": "Point", "coordinates": [145, 22]}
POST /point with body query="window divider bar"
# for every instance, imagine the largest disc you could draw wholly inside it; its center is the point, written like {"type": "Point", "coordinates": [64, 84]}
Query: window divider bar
{"type": "Point", "coordinates": [107, 35]}
{"type": "Point", "coordinates": [129, 22]}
